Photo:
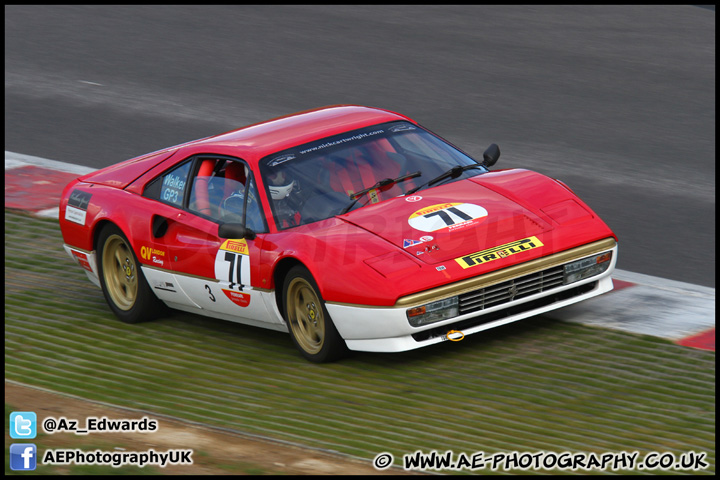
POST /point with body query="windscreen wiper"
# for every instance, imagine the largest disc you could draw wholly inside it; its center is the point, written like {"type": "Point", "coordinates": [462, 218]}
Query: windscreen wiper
{"type": "Point", "coordinates": [454, 172]}
{"type": "Point", "coordinates": [382, 183]}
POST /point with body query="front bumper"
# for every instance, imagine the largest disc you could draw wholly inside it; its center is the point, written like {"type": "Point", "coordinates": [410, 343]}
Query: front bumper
{"type": "Point", "coordinates": [386, 329]}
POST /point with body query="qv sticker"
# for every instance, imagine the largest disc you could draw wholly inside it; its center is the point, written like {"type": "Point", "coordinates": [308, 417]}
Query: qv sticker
{"type": "Point", "coordinates": [449, 216]}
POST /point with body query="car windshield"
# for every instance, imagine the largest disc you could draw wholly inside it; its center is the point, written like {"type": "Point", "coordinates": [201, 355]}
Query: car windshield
{"type": "Point", "coordinates": [338, 174]}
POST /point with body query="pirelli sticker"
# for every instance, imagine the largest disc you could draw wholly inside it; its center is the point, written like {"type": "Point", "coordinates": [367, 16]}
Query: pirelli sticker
{"type": "Point", "coordinates": [237, 246]}
{"type": "Point", "coordinates": [496, 253]}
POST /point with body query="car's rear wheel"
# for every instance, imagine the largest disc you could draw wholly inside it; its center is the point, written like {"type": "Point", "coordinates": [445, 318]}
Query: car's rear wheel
{"type": "Point", "coordinates": [123, 283]}
{"type": "Point", "coordinates": [309, 322]}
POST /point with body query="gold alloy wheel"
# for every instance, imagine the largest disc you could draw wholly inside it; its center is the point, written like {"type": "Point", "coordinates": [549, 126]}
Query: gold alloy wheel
{"type": "Point", "coordinates": [305, 315]}
{"type": "Point", "coordinates": [120, 272]}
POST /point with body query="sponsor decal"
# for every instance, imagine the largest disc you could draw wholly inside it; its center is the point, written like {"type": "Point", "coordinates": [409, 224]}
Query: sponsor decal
{"type": "Point", "coordinates": [76, 209]}
{"type": "Point", "coordinates": [358, 136]}
{"type": "Point", "coordinates": [374, 196]}
{"type": "Point", "coordinates": [447, 216]}
{"type": "Point", "coordinates": [413, 198]}
{"type": "Point", "coordinates": [82, 259]}
{"type": "Point", "coordinates": [79, 199]}
{"type": "Point", "coordinates": [501, 251]}
{"type": "Point", "coordinates": [174, 181]}
{"type": "Point", "coordinates": [152, 254]}
{"type": "Point", "coordinates": [173, 185]}
{"type": "Point", "coordinates": [148, 252]}
{"type": "Point", "coordinates": [237, 246]}
{"type": "Point", "coordinates": [167, 286]}
{"type": "Point", "coordinates": [75, 215]}
{"type": "Point", "coordinates": [238, 298]}
{"type": "Point", "coordinates": [281, 159]}
{"type": "Point", "coordinates": [409, 243]}
{"type": "Point", "coordinates": [403, 127]}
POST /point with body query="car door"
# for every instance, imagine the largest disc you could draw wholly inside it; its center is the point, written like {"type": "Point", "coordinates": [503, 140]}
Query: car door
{"type": "Point", "coordinates": [213, 274]}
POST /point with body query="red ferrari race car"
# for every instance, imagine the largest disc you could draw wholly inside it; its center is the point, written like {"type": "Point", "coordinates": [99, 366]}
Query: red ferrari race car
{"type": "Point", "coordinates": [352, 228]}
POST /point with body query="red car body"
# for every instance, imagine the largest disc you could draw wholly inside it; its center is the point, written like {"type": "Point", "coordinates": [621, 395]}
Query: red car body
{"type": "Point", "coordinates": [372, 268]}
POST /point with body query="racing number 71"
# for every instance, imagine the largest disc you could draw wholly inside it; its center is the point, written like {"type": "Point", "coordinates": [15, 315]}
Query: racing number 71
{"type": "Point", "coordinates": [446, 217]}
{"type": "Point", "coordinates": [235, 267]}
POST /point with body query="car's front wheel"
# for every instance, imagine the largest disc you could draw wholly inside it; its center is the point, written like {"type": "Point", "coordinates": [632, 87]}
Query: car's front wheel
{"type": "Point", "coordinates": [122, 281]}
{"type": "Point", "coordinates": [309, 322]}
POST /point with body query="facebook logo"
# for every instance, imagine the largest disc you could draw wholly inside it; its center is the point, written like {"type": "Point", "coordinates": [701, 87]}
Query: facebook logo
{"type": "Point", "coordinates": [23, 456]}
{"type": "Point", "coordinates": [23, 425]}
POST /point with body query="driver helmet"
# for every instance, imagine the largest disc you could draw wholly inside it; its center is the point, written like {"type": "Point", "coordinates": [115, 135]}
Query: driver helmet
{"type": "Point", "coordinates": [279, 187]}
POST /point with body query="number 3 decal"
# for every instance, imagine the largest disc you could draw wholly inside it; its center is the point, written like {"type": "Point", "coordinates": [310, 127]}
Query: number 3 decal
{"type": "Point", "coordinates": [212, 297]}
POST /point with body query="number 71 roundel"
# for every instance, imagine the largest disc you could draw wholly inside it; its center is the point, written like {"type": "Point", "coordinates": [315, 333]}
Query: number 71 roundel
{"type": "Point", "coordinates": [232, 264]}
{"type": "Point", "coordinates": [446, 215]}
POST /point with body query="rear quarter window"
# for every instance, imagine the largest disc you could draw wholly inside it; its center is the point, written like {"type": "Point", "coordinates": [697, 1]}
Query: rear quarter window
{"type": "Point", "coordinates": [170, 187]}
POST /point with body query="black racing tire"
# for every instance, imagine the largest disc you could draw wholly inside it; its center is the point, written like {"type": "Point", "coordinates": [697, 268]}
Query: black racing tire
{"type": "Point", "coordinates": [122, 281]}
{"type": "Point", "coordinates": [311, 328]}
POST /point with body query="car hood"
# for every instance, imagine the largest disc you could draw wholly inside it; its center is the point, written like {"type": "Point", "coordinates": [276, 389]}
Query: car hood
{"type": "Point", "coordinates": [471, 215]}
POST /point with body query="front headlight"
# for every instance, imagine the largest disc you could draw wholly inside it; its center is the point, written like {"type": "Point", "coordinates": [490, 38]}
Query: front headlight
{"type": "Point", "coordinates": [586, 267]}
{"type": "Point", "coordinates": [433, 312]}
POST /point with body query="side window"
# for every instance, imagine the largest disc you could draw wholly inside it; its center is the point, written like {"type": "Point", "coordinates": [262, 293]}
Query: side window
{"type": "Point", "coordinates": [218, 193]}
{"type": "Point", "coordinates": [254, 220]}
{"type": "Point", "coordinates": [170, 188]}
{"type": "Point", "coordinates": [231, 210]}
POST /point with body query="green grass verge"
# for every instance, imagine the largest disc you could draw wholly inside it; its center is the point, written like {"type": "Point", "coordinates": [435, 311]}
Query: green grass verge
{"type": "Point", "coordinates": [538, 385]}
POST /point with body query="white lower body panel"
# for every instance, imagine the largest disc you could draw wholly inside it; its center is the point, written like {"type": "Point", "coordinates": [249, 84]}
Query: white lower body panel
{"type": "Point", "coordinates": [87, 260]}
{"type": "Point", "coordinates": [378, 329]}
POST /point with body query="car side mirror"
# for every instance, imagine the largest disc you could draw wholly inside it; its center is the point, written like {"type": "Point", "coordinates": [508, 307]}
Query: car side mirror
{"type": "Point", "coordinates": [491, 155]}
{"type": "Point", "coordinates": [235, 230]}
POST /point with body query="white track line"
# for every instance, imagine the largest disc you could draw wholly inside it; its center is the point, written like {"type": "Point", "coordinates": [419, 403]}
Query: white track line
{"type": "Point", "coordinates": [660, 309]}
{"type": "Point", "coordinates": [16, 160]}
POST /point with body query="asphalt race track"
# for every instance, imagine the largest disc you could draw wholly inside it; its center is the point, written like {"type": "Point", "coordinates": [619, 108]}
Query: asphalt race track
{"type": "Point", "coordinates": [617, 101]}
